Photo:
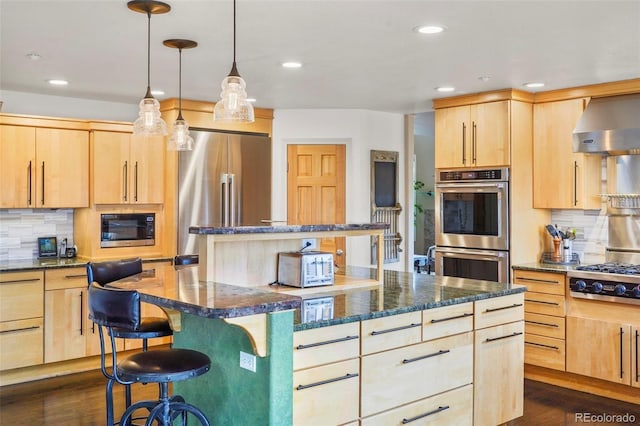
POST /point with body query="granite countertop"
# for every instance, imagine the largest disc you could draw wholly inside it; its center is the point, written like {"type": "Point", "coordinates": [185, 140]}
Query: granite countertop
{"type": "Point", "coordinates": [280, 229]}
{"type": "Point", "coordinates": [179, 289]}
{"type": "Point", "coordinates": [55, 263]}
{"type": "Point", "coordinates": [544, 267]}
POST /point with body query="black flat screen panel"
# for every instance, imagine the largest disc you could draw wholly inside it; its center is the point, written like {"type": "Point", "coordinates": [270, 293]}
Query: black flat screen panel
{"type": "Point", "coordinates": [385, 184]}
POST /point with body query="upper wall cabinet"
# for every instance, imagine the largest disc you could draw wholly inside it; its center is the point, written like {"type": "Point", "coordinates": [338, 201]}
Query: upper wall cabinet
{"type": "Point", "coordinates": [43, 167]}
{"type": "Point", "coordinates": [127, 169]}
{"type": "Point", "coordinates": [562, 179]}
{"type": "Point", "coordinates": [473, 135]}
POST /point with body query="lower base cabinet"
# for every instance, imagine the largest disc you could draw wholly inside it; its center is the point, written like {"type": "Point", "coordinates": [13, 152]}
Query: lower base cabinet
{"type": "Point", "coordinates": [454, 407]}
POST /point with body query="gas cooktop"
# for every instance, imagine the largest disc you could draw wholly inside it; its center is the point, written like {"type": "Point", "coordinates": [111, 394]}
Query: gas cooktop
{"type": "Point", "coordinates": [611, 268]}
{"type": "Point", "coordinates": [610, 281]}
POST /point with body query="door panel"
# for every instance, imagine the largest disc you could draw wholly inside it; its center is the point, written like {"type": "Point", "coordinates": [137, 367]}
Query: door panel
{"type": "Point", "coordinates": [316, 190]}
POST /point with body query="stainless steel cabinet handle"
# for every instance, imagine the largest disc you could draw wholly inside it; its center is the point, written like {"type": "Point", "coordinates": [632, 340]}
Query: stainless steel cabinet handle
{"type": "Point", "coordinates": [621, 370]}
{"type": "Point", "coordinates": [232, 200]}
{"type": "Point", "coordinates": [515, 305]}
{"type": "Point", "coordinates": [324, 382]}
{"type": "Point", "coordinates": [76, 276]}
{"type": "Point", "coordinates": [33, 327]}
{"type": "Point", "coordinates": [440, 352]}
{"type": "Point", "coordinates": [542, 302]}
{"type": "Point", "coordinates": [546, 324]}
{"type": "Point", "coordinates": [135, 183]}
{"type": "Point", "coordinates": [29, 280]}
{"type": "Point", "coordinates": [81, 313]}
{"type": "Point", "coordinates": [493, 339]}
{"type": "Point", "coordinates": [464, 141]}
{"type": "Point", "coordinates": [536, 280]}
{"type": "Point", "coordinates": [421, 416]}
{"type": "Point", "coordinates": [555, 348]}
{"type": "Point", "coordinates": [326, 342]}
{"type": "Point", "coordinates": [473, 143]}
{"type": "Point", "coordinates": [466, 314]}
{"type": "Point", "coordinates": [575, 183]}
{"type": "Point", "coordinates": [42, 198]}
{"type": "Point", "coordinates": [637, 356]}
{"type": "Point", "coordinates": [391, 330]}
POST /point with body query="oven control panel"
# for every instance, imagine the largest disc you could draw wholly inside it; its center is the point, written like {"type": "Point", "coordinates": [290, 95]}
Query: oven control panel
{"type": "Point", "coordinates": [500, 174]}
{"type": "Point", "coordinates": [603, 289]}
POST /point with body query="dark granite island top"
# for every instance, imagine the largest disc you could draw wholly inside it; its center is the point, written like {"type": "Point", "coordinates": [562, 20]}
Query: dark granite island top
{"type": "Point", "coordinates": [284, 229]}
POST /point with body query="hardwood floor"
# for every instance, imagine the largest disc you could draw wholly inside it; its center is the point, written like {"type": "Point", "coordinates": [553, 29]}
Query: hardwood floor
{"type": "Point", "coordinates": [78, 400]}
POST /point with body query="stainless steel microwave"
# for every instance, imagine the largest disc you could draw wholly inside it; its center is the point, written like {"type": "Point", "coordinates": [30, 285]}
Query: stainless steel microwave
{"type": "Point", "coordinates": [127, 229]}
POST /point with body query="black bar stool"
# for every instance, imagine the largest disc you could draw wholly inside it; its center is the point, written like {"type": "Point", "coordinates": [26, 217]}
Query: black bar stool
{"type": "Point", "coordinates": [117, 309]}
{"type": "Point", "coordinates": [150, 327]}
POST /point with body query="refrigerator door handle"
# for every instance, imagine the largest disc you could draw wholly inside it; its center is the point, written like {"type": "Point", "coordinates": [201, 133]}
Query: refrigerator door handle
{"type": "Point", "coordinates": [232, 200]}
{"type": "Point", "coordinates": [225, 199]}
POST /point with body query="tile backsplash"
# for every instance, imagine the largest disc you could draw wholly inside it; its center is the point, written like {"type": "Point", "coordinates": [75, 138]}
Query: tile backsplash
{"type": "Point", "coordinates": [20, 229]}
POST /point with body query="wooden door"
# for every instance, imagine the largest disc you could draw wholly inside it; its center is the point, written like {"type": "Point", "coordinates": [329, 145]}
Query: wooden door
{"type": "Point", "coordinates": [452, 137]}
{"type": "Point", "coordinates": [147, 176]}
{"type": "Point", "coordinates": [599, 349]}
{"type": "Point", "coordinates": [17, 166]}
{"type": "Point", "coordinates": [62, 169]}
{"type": "Point", "coordinates": [110, 167]}
{"type": "Point", "coordinates": [316, 190]}
{"type": "Point", "coordinates": [490, 134]}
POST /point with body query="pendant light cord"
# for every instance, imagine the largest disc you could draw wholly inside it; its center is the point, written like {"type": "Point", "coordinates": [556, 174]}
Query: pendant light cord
{"type": "Point", "coordinates": [148, 95]}
{"type": "Point", "coordinates": [234, 32]}
{"type": "Point", "coordinates": [180, 85]}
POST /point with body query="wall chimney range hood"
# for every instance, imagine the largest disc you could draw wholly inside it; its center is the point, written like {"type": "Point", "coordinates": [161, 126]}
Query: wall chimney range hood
{"type": "Point", "coordinates": [609, 125]}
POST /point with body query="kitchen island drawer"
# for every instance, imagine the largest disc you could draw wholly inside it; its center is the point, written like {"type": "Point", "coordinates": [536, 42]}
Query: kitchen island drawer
{"type": "Point", "coordinates": [546, 304]}
{"type": "Point", "coordinates": [21, 295]}
{"type": "Point", "coordinates": [399, 376]}
{"type": "Point", "coordinates": [499, 310]}
{"type": "Point", "coordinates": [327, 394]}
{"type": "Point", "coordinates": [447, 321]}
{"type": "Point", "coordinates": [544, 325]}
{"type": "Point", "coordinates": [63, 278]}
{"type": "Point", "coordinates": [325, 345]}
{"type": "Point", "coordinates": [21, 343]}
{"type": "Point", "coordinates": [540, 282]}
{"type": "Point", "coordinates": [391, 332]}
{"type": "Point", "coordinates": [454, 407]}
{"type": "Point", "coordinates": [544, 351]}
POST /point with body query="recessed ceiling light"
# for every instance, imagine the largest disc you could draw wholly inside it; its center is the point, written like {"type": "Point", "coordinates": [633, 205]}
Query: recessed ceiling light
{"type": "Point", "coordinates": [33, 56]}
{"type": "Point", "coordinates": [157, 92]}
{"type": "Point", "coordinates": [484, 78]}
{"type": "Point", "coordinates": [58, 82]}
{"type": "Point", "coordinates": [534, 84]}
{"type": "Point", "coordinates": [430, 29]}
{"type": "Point", "coordinates": [291, 64]}
{"type": "Point", "coordinates": [445, 89]}
{"type": "Point", "coordinates": [251, 99]}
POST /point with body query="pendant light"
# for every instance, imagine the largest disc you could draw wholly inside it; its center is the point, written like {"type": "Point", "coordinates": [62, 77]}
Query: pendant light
{"type": "Point", "coordinates": [233, 105]}
{"type": "Point", "coordinates": [149, 122]}
{"type": "Point", "coordinates": [180, 139]}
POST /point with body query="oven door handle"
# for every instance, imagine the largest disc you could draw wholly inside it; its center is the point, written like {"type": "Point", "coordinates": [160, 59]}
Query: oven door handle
{"type": "Point", "coordinates": [473, 256]}
{"type": "Point", "coordinates": [475, 185]}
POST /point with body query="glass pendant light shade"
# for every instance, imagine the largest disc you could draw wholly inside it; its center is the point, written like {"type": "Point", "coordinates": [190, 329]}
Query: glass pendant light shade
{"type": "Point", "coordinates": [233, 105]}
{"type": "Point", "coordinates": [149, 122]}
{"type": "Point", "coordinates": [180, 139]}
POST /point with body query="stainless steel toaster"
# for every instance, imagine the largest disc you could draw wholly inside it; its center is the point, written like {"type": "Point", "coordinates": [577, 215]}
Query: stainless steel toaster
{"type": "Point", "coordinates": [305, 269]}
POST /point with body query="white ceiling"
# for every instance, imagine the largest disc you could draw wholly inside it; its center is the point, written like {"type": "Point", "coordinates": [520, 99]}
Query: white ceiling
{"type": "Point", "coordinates": [356, 54]}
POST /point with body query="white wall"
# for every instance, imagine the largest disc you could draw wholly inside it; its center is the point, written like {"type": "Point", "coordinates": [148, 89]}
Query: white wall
{"type": "Point", "coordinates": [361, 131]}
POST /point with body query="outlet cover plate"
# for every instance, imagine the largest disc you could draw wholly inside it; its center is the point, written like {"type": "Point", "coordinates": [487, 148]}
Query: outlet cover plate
{"type": "Point", "coordinates": [248, 361]}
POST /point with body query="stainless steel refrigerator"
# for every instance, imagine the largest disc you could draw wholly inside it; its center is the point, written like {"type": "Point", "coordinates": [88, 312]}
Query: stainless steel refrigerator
{"type": "Point", "coordinates": [224, 181]}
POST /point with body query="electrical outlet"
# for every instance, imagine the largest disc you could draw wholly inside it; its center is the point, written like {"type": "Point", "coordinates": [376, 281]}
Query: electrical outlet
{"type": "Point", "coordinates": [248, 361]}
{"type": "Point", "coordinates": [309, 243]}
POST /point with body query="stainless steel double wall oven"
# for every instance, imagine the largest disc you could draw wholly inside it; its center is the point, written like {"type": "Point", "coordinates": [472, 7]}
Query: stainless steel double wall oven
{"type": "Point", "coordinates": [472, 223]}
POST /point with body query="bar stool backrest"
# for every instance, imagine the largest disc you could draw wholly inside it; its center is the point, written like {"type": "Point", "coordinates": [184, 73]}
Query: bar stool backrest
{"type": "Point", "coordinates": [114, 307]}
{"type": "Point", "coordinates": [105, 272]}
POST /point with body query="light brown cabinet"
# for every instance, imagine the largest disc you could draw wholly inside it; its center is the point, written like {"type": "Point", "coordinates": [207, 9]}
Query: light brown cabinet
{"type": "Point", "coordinates": [127, 169]}
{"type": "Point", "coordinates": [473, 135]}
{"type": "Point", "coordinates": [21, 319]}
{"type": "Point", "coordinates": [562, 179]}
{"type": "Point", "coordinates": [43, 167]}
{"type": "Point", "coordinates": [545, 311]}
{"type": "Point", "coordinates": [600, 349]}
{"type": "Point", "coordinates": [499, 341]}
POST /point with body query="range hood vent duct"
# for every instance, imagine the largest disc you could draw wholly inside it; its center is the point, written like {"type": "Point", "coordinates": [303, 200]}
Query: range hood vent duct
{"type": "Point", "coordinates": [609, 125]}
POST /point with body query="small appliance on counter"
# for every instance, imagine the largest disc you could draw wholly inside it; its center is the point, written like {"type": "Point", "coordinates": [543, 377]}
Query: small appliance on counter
{"type": "Point", "coordinates": [305, 269]}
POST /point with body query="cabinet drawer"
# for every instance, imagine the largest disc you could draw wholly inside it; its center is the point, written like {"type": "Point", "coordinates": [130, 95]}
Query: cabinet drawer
{"type": "Point", "coordinates": [540, 282]}
{"type": "Point", "coordinates": [327, 394]}
{"type": "Point", "coordinates": [544, 325]}
{"type": "Point", "coordinates": [547, 304]}
{"type": "Point", "coordinates": [454, 407]}
{"type": "Point", "coordinates": [390, 332]}
{"type": "Point", "coordinates": [408, 374]}
{"type": "Point", "coordinates": [21, 343]}
{"type": "Point", "coordinates": [447, 321]}
{"type": "Point", "coordinates": [58, 279]}
{"type": "Point", "coordinates": [21, 295]}
{"type": "Point", "coordinates": [544, 351]}
{"type": "Point", "coordinates": [325, 345]}
{"type": "Point", "coordinates": [499, 310]}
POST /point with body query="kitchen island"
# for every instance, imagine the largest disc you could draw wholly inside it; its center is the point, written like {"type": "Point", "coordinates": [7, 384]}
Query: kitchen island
{"type": "Point", "coordinates": [447, 316]}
